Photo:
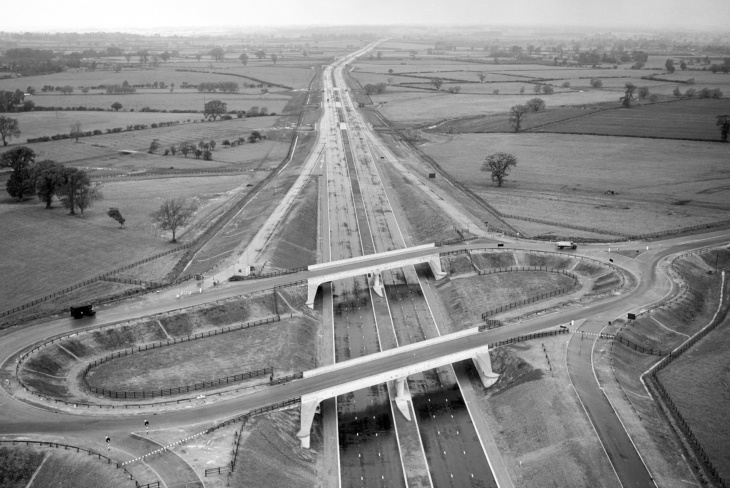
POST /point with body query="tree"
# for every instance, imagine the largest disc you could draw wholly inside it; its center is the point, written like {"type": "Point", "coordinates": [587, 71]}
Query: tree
{"type": "Point", "coordinates": [75, 130]}
{"type": "Point", "coordinates": [87, 195]}
{"type": "Point", "coordinates": [630, 88]}
{"type": "Point", "coordinates": [198, 56]}
{"type": "Point", "coordinates": [566, 84]}
{"type": "Point", "coordinates": [669, 65]}
{"type": "Point", "coordinates": [596, 83]}
{"type": "Point", "coordinates": [154, 146]}
{"type": "Point", "coordinates": [653, 98]}
{"type": "Point", "coordinates": [676, 92]}
{"type": "Point", "coordinates": [690, 93]}
{"type": "Point", "coordinates": [217, 53]}
{"type": "Point", "coordinates": [413, 54]}
{"type": "Point", "coordinates": [143, 56]}
{"type": "Point", "coordinates": [244, 58]}
{"type": "Point", "coordinates": [499, 164]}
{"type": "Point", "coordinates": [73, 180]}
{"type": "Point", "coordinates": [723, 122]}
{"type": "Point", "coordinates": [116, 215]}
{"type": "Point", "coordinates": [482, 77]}
{"type": "Point", "coordinates": [116, 106]}
{"type": "Point", "coordinates": [537, 88]}
{"type": "Point", "coordinates": [437, 82]}
{"type": "Point", "coordinates": [173, 214]}
{"type": "Point", "coordinates": [164, 57]}
{"type": "Point", "coordinates": [260, 54]}
{"type": "Point", "coordinates": [536, 104]}
{"type": "Point", "coordinates": [47, 176]}
{"type": "Point", "coordinates": [548, 89]}
{"type": "Point", "coordinates": [20, 182]}
{"type": "Point", "coordinates": [517, 115]}
{"type": "Point", "coordinates": [214, 108]}
{"type": "Point", "coordinates": [9, 128]}
{"type": "Point", "coordinates": [643, 92]}
{"type": "Point", "coordinates": [274, 58]}
{"type": "Point", "coordinates": [683, 65]}
{"type": "Point", "coordinates": [128, 56]}
{"type": "Point", "coordinates": [379, 55]}
{"type": "Point", "coordinates": [255, 136]}
{"type": "Point", "coordinates": [211, 145]}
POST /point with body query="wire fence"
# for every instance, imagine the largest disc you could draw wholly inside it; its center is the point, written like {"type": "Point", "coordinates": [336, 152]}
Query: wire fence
{"type": "Point", "coordinates": [520, 303]}
{"type": "Point", "coordinates": [523, 338]}
{"type": "Point", "coordinates": [639, 348]}
{"type": "Point", "coordinates": [180, 389]}
{"type": "Point", "coordinates": [67, 447]}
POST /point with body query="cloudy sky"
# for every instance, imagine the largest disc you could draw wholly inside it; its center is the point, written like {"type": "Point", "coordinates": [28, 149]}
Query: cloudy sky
{"type": "Point", "coordinates": [145, 14]}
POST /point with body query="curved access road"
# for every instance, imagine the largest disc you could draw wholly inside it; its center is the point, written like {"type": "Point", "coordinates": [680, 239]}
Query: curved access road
{"type": "Point", "coordinates": [19, 418]}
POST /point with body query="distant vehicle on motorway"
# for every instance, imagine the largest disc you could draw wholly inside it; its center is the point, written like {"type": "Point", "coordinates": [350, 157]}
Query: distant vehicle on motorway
{"type": "Point", "coordinates": [563, 244]}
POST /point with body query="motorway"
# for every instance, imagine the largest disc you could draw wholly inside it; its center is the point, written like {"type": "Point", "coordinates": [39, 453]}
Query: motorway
{"type": "Point", "coordinates": [361, 222]}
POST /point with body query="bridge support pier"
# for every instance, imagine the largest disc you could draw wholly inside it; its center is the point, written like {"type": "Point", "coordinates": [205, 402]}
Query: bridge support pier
{"type": "Point", "coordinates": [306, 416]}
{"type": "Point", "coordinates": [377, 285]}
{"type": "Point", "coordinates": [401, 398]}
{"type": "Point", "coordinates": [483, 364]}
{"type": "Point", "coordinates": [435, 263]}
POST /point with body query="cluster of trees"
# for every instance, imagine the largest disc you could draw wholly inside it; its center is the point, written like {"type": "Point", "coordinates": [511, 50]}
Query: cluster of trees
{"type": "Point", "coordinates": [14, 101]}
{"type": "Point", "coordinates": [376, 88]}
{"type": "Point", "coordinates": [48, 179]}
{"type": "Point", "coordinates": [224, 86]}
{"type": "Point", "coordinates": [518, 113]}
{"type": "Point", "coordinates": [701, 93]}
{"type": "Point", "coordinates": [202, 149]}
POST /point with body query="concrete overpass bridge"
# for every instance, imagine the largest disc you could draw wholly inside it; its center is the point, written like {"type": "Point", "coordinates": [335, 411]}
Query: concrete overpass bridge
{"type": "Point", "coordinates": [372, 265]}
{"type": "Point", "coordinates": [397, 364]}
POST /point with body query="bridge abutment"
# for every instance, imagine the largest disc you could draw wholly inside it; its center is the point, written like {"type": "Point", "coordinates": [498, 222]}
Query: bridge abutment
{"type": "Point", "coordinates": [306, 416]}
{"type": "Point", "coordinates": [483, 363]}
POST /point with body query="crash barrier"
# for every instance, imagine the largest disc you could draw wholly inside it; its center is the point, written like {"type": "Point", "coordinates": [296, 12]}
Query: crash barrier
{"type": "Point", "coordinates": [67, 447]}
{"type": "Point", "coordinates": [180, 389]}
{"type": "Point", "coordinates": [526, 301]}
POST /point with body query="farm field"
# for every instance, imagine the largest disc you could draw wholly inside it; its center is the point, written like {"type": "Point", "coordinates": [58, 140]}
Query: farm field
{"type": "Point", "coordinates": [554, 182]}
{"type": "Point", "coordinates": [690, 119]}
{"type": "Point", "coordinates": [38, 124]}
{"type": "Point", "coordinates": [97, 151]}
{"type": "Point", "coordinates": [406, 108]}
{"type": "Point", "coordinates": [104, 246]}
{"type": "Point", "coordinates": [188, 100]}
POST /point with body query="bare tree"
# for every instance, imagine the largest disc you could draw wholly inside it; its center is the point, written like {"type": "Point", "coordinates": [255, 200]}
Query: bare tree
{"type": "Point", "coordinates": [517, 115]}
{"type": "Point", "coordinates": [172, 214]}
{"type": "Point", "coordinates": [75, 130]}
{"type": "Point", "coordinates": [499, 164]}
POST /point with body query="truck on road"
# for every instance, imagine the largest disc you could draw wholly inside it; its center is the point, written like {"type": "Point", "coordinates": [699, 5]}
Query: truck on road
{"type": "Point", "coordinates": [564, 244]}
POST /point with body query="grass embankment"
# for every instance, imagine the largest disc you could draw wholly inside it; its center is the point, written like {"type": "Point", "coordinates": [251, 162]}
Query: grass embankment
{"type": "Point", "coordinates": [698, 380]}
{"type": "Point", "coordinates": [619, 368]}
{"type": "Point", "coordinates": [64, 469]}
{"type": "Point", "coordinates": [17, 466]}
{"type": "Point", "coordinates": [541, 431]}
{"type": "Point", "coordinates": [424, 220]}
{"type": "Point", "coordinates": [289, 342]}
{"type": "Point", "coordinates": [270, 455]}
{"type": "Point", "coordinates": [287, 346]}
{"type": "Point", "coordinates": [467, 298]}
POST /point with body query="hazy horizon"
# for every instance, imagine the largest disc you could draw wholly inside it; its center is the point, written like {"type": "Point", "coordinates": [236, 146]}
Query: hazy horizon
{"type": "Point", "coordinates": [136, 15]}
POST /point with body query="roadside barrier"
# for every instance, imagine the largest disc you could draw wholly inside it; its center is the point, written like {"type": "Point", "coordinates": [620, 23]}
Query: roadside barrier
{"type": "Point", "coordinates": [67, 447]}
{"type": "Point", "coordinates": [640, 348]}
{"type": "Point", "coordinates": [517, 304]}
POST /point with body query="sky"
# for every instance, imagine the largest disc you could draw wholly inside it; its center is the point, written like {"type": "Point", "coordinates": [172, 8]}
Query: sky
{"type": "Point", "coordinates": [132, 15]}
